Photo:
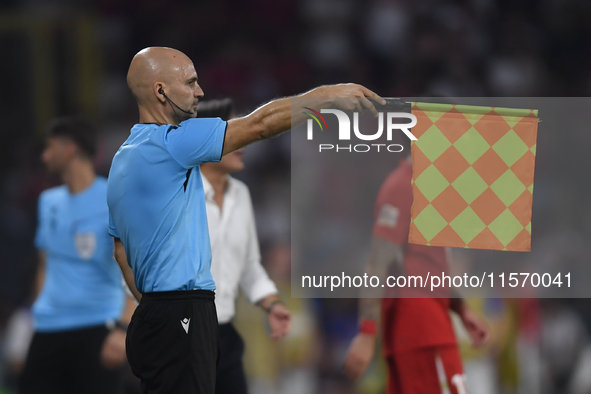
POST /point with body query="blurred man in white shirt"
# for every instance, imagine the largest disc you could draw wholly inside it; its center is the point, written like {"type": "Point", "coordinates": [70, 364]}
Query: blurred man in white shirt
{"type": "Point", "coordinates": [236, 259]}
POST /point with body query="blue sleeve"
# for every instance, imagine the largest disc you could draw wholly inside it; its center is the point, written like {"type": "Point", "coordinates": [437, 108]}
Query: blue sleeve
{"type": "Point", "coordinates": [112, 230]}
{"type": "Point", "coordinates": [41, 233]}
{"type": "Point", "coordinates": [197, 141]}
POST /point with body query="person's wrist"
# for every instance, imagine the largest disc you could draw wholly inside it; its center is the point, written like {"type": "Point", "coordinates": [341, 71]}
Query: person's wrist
{"type": "Point", "coordinates": [269, 307]}
{"type": "Point", "coordinates": [458, 306]}
{"type": "Point", "coordinates": [113, 325]}
{"type": "Point", "coordinates": [321, 94]}
{"type": "Point", "coordinates": [119, 325]}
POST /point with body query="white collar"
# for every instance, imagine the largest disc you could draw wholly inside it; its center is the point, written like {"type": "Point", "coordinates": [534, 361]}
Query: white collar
{"type": "Point", "coordinates": [208, 188]}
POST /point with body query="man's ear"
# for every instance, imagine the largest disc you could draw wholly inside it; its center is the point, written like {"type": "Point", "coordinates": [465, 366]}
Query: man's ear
{"type": "Point", "coordinates": [160, 91]}
{"type": "Point", "coordinates": [71, 149]}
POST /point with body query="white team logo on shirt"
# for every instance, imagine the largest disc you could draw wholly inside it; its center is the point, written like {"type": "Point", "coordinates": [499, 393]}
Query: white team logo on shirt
{"type": "Point", "coordinates": [388, 216]}
{"type": "Point", "coordinates": [85, 244]}
{"type": "Point", "coordinates": [185, 323]}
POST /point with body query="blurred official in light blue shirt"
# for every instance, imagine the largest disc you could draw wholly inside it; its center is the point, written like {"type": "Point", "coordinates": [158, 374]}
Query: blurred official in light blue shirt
{"type": "Point", "coordinates": [81, 310]}
{"type": "Point", "coordinates": [82, 284]}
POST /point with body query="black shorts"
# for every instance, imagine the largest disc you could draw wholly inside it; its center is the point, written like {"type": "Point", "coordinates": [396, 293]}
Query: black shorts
{"type": "Point", "coordinates": [231, 378]}
{"type": "Point", "coordinates": [69, 362]}
{"type": "Point", "coordinates": [172, 342]}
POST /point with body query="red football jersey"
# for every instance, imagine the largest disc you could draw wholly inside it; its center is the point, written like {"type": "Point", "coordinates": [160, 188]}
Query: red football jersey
{"type": "Point", "coordinates": [409, 322]}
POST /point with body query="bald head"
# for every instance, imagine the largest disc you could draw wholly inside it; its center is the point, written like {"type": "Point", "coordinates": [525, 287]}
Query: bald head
{"type": "Point", "coordinates": [164, 84]}
{"type": "Point", "coordinates": [156, 64]}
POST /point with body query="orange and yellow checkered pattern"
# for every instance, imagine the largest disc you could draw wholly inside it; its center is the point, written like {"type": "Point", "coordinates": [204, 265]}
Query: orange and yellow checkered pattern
{"type": "Point", "coordinates": [473, 174]}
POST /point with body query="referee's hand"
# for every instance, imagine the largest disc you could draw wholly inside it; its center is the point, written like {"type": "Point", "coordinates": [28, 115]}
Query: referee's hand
{"type": "Point", "coordinates": [349, 97]}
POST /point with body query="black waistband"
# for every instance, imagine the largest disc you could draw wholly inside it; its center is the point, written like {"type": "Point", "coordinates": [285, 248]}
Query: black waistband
{"type": "Point", "coordinates": [179, 295]}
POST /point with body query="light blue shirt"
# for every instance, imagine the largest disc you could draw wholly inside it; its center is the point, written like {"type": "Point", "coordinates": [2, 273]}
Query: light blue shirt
{"type": "Point", "coordinates": [83, 284]}
{"type": "Point", "coordinates": [157, 205]}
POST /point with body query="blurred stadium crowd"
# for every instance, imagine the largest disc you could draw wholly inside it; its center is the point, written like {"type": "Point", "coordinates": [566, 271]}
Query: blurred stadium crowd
{"type": "Point", "coordinates": [65, 57]}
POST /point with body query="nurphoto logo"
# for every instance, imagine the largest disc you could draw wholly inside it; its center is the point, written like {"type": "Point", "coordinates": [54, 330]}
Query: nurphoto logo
{"type": "Point", "coordinates": [344, 133]}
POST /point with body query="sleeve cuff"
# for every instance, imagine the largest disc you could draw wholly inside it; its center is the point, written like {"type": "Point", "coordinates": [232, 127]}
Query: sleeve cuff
{"type": "Point", "coordinates": [224, 141]}
{"type": "Point", "coordinates": [260, 290]}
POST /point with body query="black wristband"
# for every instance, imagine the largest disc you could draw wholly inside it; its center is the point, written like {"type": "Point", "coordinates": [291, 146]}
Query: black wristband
{"type": "Point", "coordinates": [116, 324]}
{"type": "Point", "coordinates": [272, 304]}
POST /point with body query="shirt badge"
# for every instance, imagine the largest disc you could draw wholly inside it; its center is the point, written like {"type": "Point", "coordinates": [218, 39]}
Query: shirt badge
{"type": "Point", "coordinates": [85, 245]}
{"type": "Point", "coordinates": [388, 216]}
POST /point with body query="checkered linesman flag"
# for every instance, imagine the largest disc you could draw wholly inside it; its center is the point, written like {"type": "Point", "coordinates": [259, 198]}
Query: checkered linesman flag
{"type": "Point", "coordinates": [473, 173]}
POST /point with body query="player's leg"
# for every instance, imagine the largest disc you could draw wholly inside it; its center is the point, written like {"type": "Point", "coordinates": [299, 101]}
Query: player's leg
{"type": "Point", "coordinates": [417, 371]}
{"type": "Point", "coordinates": [230, 378]}
{"type": "Point", "coordinates": [393, 379]}
{"type": "Point", "coordinates": [451, 362]}
{"type": "Point", "coordinates": [88, 375]}
{"type": "Point", "coordinates": [45, 365]}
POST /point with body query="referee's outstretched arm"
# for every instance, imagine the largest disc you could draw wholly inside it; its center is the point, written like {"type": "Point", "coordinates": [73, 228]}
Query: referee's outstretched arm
{"type": "Point", "coordinates": [275, 117]}
{"type": "Point", "coordinates": [165, 85]}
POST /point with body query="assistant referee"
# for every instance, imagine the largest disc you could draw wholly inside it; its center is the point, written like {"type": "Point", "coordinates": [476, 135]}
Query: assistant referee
{"type": "Point", "coordinates": [77, 346]}
{"type": "Point", "coordinates": [158, 217]}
